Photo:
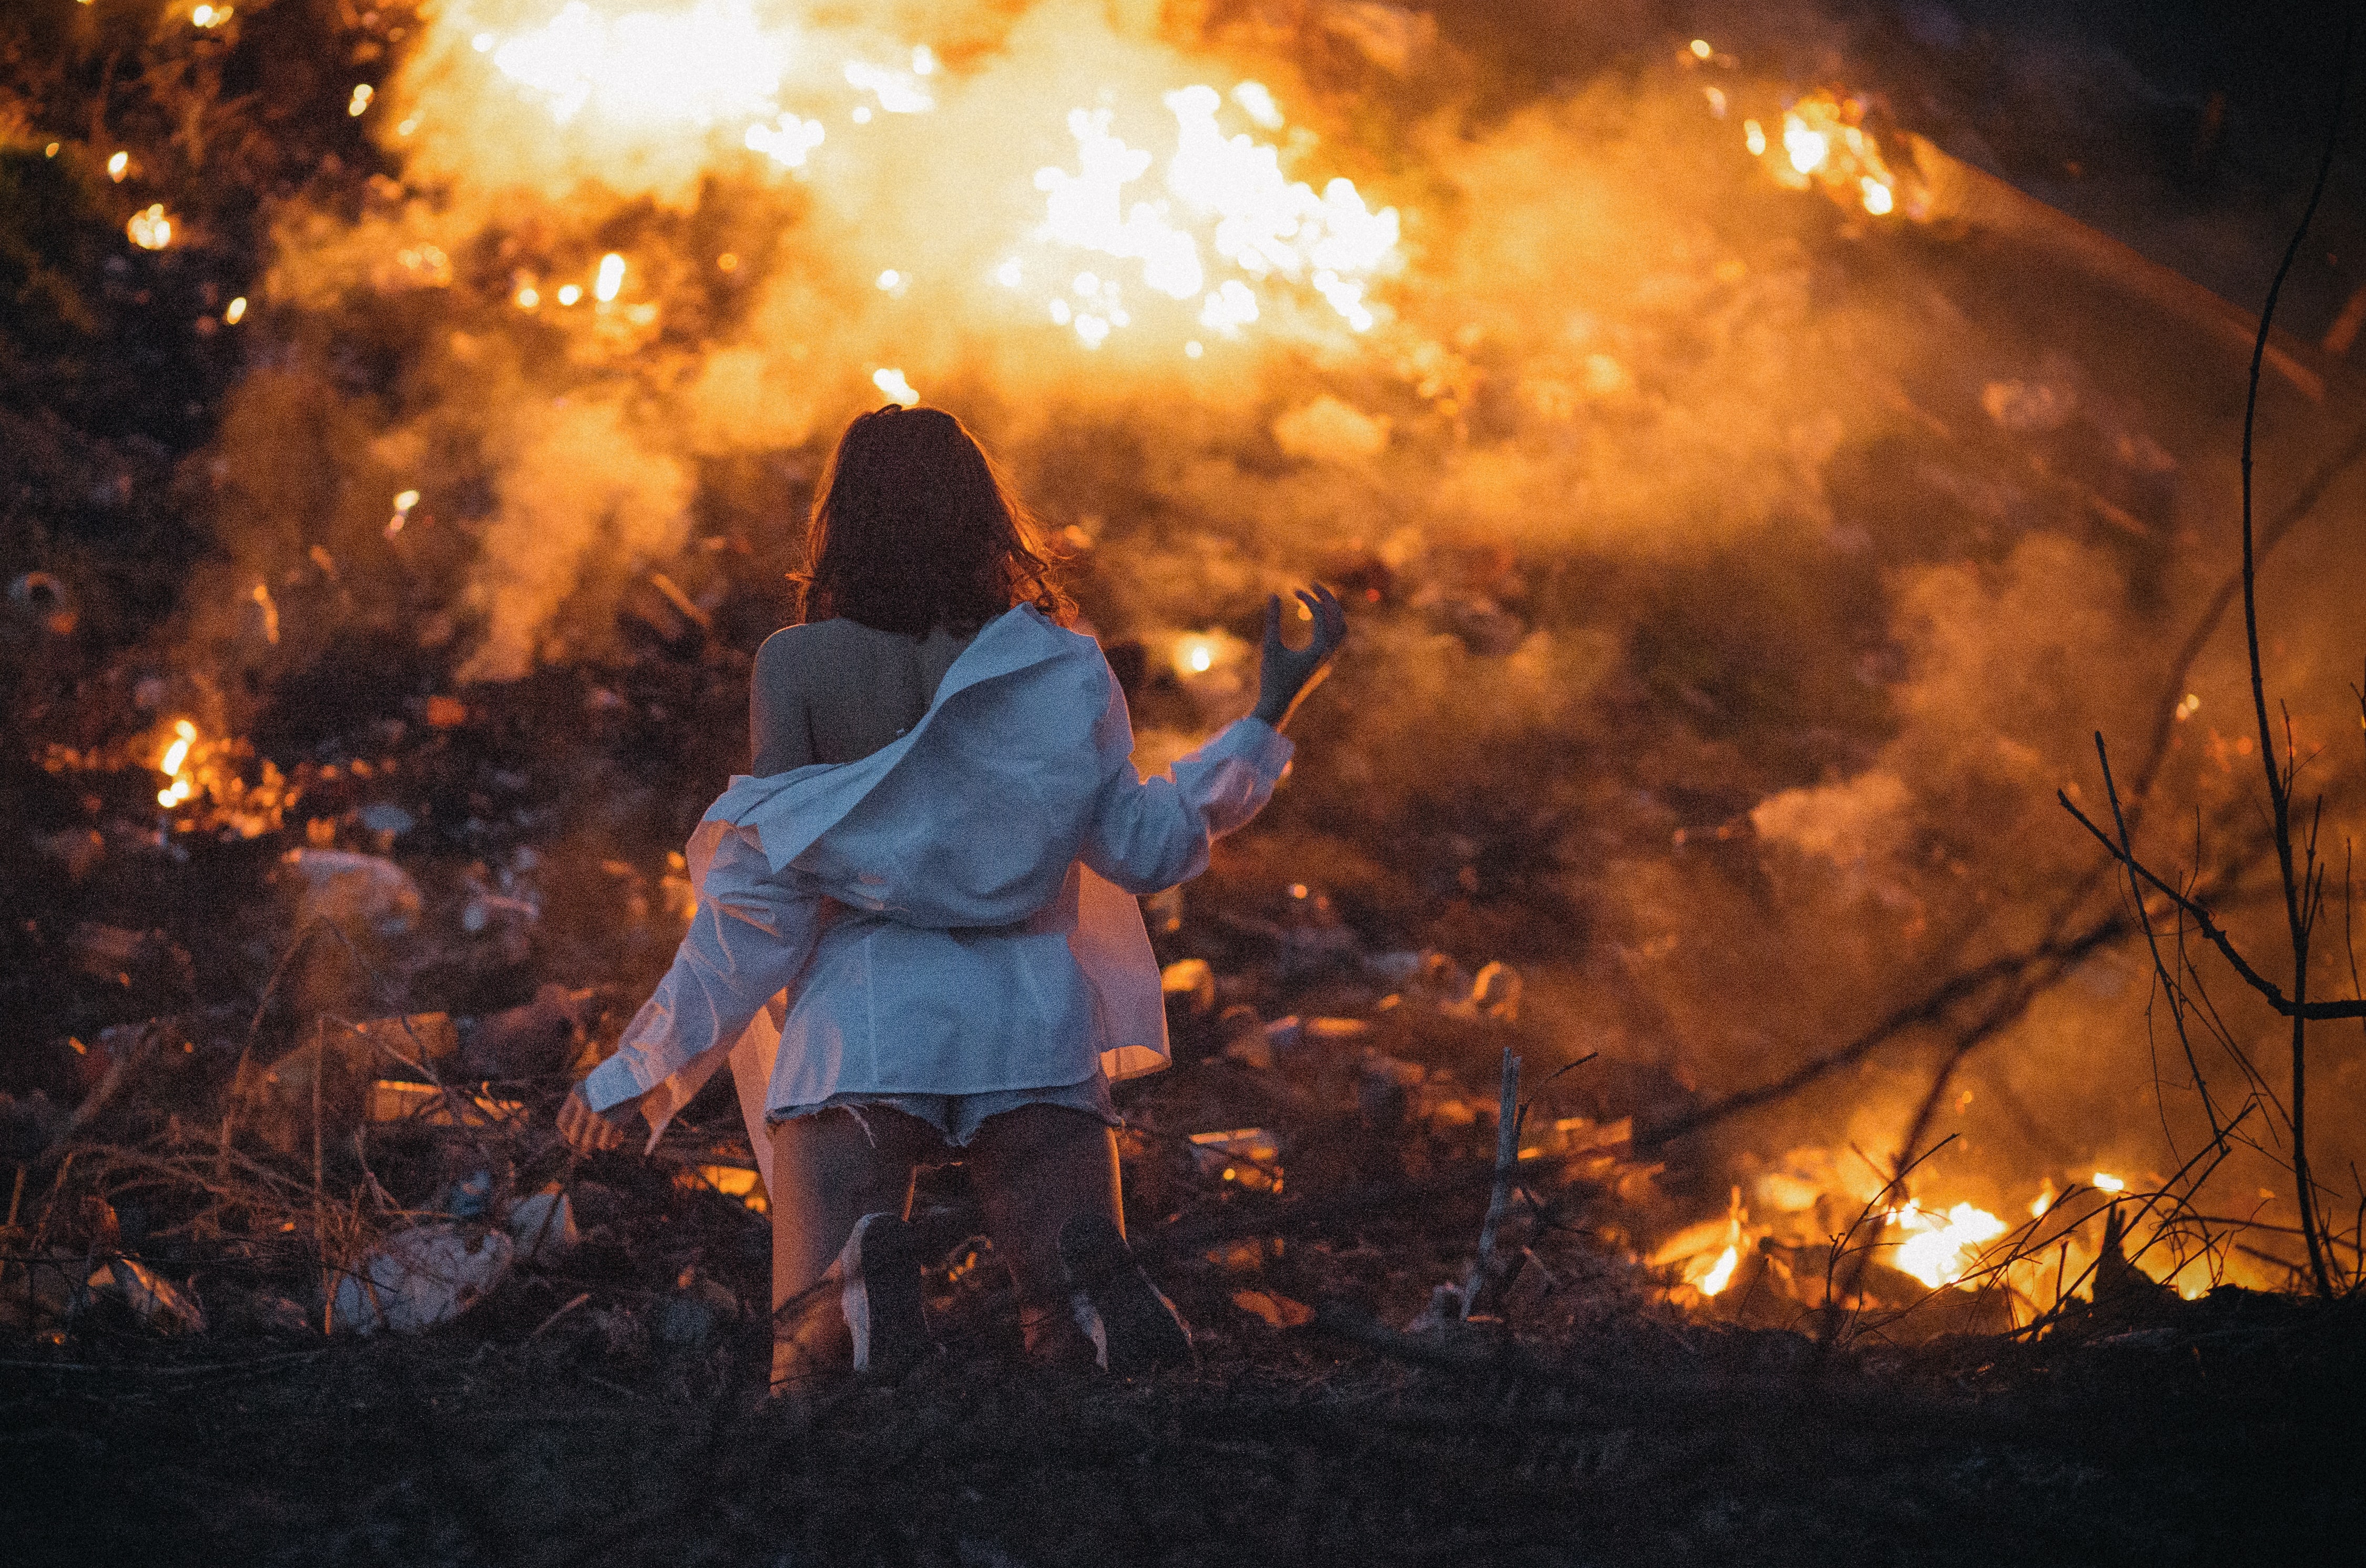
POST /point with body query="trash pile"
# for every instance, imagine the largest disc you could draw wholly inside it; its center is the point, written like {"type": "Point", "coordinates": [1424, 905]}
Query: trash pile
{"type": "Point", "coordinates": [317, 1173]}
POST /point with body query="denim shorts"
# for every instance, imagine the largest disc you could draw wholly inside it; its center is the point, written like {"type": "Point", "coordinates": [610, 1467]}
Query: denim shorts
{"type": "Point", "coordinates": [957, 1117]}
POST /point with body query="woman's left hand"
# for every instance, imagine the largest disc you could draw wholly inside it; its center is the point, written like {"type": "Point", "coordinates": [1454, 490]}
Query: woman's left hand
{"type": "Point", "coordinates": [588, 1131]}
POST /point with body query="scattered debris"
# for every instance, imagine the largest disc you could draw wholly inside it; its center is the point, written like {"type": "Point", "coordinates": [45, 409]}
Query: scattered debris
{"type": "Point", "coordinates": [358, 894]}
{"type": "Point", "coordinates": [156, 1301]}
{"type": "Point", "coordinates": [421, 1277]}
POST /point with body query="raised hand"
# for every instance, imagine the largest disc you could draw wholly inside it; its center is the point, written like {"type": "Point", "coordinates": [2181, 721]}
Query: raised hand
{"type": "Point", "coordinates": [1285, 675]}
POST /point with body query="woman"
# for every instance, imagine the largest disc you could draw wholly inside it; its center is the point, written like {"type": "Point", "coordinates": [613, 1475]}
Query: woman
{"type": "Point", "coordinates": [933, 859]}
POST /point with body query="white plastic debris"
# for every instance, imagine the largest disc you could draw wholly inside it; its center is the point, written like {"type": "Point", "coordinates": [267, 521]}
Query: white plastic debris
{"type": "Point", "coordinates": [421, 1277]}
{"type": "Point", "coordinates": [542, 1226]}
{"type": "Point", "coordinates": [154, 1301]}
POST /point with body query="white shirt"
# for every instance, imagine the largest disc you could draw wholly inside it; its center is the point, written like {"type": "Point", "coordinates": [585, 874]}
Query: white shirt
{"type": "Point", "coordinates": [950, 914]}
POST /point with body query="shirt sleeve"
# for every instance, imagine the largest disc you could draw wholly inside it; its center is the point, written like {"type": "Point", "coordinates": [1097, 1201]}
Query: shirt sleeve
{"type": "Point", "coordinates": [751, 938]}
{"type": "Point", "coordinates": [1149, 835]}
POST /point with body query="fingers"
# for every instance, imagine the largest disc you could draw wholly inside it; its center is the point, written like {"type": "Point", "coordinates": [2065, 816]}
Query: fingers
{"type": "Point", "coordinates": [585, 1129]}
{"type": "Point", "coordinates": [1323, 608]}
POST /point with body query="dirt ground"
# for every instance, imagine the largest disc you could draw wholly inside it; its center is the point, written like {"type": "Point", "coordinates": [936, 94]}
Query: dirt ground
{"type": "Point", "coordinates": [1644, 1442]}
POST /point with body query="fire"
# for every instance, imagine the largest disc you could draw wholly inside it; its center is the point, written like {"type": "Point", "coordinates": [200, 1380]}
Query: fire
{"type": "Point", "coordinates": [1940, 1248]}
{"type": "Point", "coordinates": [185, 734]}
{"type": "Point", "coordinates": [1823, 142]}
{"type": "Point", "coordinates": [1233, 192]}
{"type": "Point", "coordinates": [1720, 1273]}
{"type": "Point", "coordinates": [694, 67]}
{"type": "Point", "coordinates": [1185, 216]}
{"type": "Point", "coordinates": [2107, 1182]}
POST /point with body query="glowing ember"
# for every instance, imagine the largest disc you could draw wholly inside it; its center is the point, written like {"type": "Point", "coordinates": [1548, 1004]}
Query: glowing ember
{"type": "Point", "coordinates": [151, 229]}
{"type": "Point", "coordinates": [890, 382]}
{"type": "Point", "coordinates": [1195, 656]}
{"type": "Point", "coordinates": [184, 734]}
{"type": "Point", "coordinates": [1941, 1247]}
{"type": "Point", "coordinates": [1720, 1273]}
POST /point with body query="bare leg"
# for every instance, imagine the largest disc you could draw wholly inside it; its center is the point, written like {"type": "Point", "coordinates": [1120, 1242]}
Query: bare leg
{"type": "Point", "coordinates": [1032, 1169]}
{"type": "Point", "coordinates": [827, 1173]}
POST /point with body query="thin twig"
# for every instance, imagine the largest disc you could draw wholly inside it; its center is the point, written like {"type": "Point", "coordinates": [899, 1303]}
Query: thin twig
{"type": "Point", "coordinates": [1507, 1155]}
{"type": "Point", "coordinates": [2280, 779]}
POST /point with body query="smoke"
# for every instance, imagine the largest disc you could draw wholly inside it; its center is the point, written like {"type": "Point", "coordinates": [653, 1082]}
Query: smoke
{"type": "Point", "coordinates": [1738, 569]}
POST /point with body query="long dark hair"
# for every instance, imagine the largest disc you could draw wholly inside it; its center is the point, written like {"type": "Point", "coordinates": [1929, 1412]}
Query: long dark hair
{"type": "Point", "coordinates": [913, 529]}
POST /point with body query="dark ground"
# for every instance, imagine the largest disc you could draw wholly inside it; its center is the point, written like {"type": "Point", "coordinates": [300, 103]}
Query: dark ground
{"type": "Point", "coordinates": [2225, 1440]}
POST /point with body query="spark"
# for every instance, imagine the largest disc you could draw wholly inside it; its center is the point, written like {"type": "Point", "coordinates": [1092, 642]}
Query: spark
{"type": "Point", "coordinates": [1701, 48]}
{"type": "Point", "coordinates": [1754, 136]}
{"type": "Point", "coordinates": [363, 94]}
{"type": "Point", "coordinates": [891, 381]}
{"type": "Point", "coordinates": [2107, 1182]}
{"type": "Point", "coordinates": [209, 16]}
{"type": "Point", "coordinates": [236, 312]}
{"type": "Point", "coordinates": [118, 166]}
{"type": "Point", "coordinates": [609, 281]}
{"type": "Point", "coordinates": [570, 293]}
{"type": "Point", "coordinates": [889, 279]}
{"type": "Point", "coordinates": [1878, 199]}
